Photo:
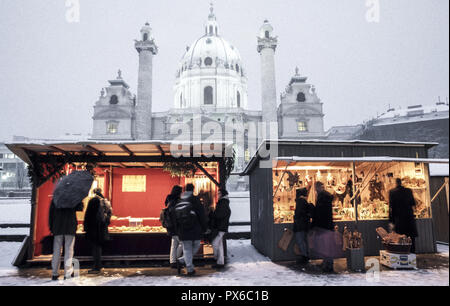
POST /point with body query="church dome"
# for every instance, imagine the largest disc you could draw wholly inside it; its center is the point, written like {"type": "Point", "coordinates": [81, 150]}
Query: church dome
{"type": "Point", "coordinates": [210, 72]}
{"type": "Point", "coordinates": [211, 51]}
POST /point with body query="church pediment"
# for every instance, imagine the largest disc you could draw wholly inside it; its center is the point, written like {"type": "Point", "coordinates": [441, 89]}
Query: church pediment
{"type": "Point", "coordinates": [300, 110]}
{"type": "Point", "coordinates": [116, 113]}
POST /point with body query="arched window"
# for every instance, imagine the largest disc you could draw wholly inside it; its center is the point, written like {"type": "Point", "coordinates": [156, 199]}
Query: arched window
{"type": "Point", "coordinates": [237, 68]}
{"type": "Point", "coordinates": [267, 34]}
{"type": "Point", "coordinates": [217, 31]}
{"type": "Point", "coordinates": [238, 99]}
{"type": "Point", "coordinates": [114, 100]}
{"type": "Point", "coordinates": [145, 37]}
{"type": "Point", "coordinates": [208, 61]}
{"type": "Point", "coordinates": [208, 95]}
{"type": "Point", "coordinates": [301, 97]}
{"type": "Point", "coordinates": [211, 30]}
{"type": "Point", "coordinates": [181, 100]}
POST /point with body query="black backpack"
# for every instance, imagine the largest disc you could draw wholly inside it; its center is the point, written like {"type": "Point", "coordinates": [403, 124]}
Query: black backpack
{"type": "Point", "coordinates": [184, 214]}
{"type": "Point", "coordinates": [165, 219]}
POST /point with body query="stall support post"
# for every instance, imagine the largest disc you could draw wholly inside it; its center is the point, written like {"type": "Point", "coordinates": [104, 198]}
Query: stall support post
{"type": "Point", "coordinates": [355, 202]}
{"type": "Point", "coordinates": [222, 174]}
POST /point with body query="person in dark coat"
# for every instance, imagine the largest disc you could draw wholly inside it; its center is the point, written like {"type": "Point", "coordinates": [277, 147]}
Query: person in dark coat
{"type": "Point", "coordinates": [63, 225]}
{"type": "Point", "coordinates": [323, 218]}
{"type": "Point", "coordinates": [401, 212]}
{"type": "Point", "coordinates": [219, 223]}
{"type": "Point", "coordinates": [96, 221]}
{"type": "Point", "coordinates": [302, 223]}
{"type": "Point", "coordinates": [176, 247]}
{"type": "Point", "coordinates": [190, 235]}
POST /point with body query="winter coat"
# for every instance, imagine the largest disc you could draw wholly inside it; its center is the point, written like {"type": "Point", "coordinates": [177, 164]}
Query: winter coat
{"type": "Point", "coordinates": [323, 212]}
{"type": "Point", "coordinates": [63, 221]}
{"type": "Point", "coordinates": [96, 225]}
{"type": "Point", "coordinates": [303, 214]}
{"type": "Point", "coordinates": [200, 227]}
{"type": "Point", "coordinates": [401, 202]}
{"type": "Point", "coordinates": [170, 203]}
{"type": "Point", "coordinates": [220, 217]}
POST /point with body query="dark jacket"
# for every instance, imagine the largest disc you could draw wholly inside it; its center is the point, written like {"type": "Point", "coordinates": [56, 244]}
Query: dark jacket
{"type": "Point", "coordinates": [401, 214]}
{"type": "Point", "coordinates": [303, 214]}
{"type": "Point", "coordinates": [96, 226]}
{"type": "Point", "coordinates": [323, 212]}
{"type": "Point", "coordinates": [200, 227]}
{"type": "Point", "coordinates": [220, 217]}
{"type": "Point", "coordinates": [63, 221]}
{"type": "Point", "coordinates": [170, 202]}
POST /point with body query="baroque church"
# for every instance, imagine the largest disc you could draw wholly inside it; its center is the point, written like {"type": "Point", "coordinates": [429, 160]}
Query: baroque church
{"type": "Point", "coordinates": [210, 87]}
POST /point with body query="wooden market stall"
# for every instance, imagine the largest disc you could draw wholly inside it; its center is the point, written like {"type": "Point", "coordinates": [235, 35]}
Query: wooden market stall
{"type": "Point", "coordinates": [359, 175]}
{"type": "Point", "coordinates": [135, 176]}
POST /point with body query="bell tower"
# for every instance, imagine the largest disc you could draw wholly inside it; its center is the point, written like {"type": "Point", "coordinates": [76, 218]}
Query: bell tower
{"type": "Point", "coordinates": [146, 48]}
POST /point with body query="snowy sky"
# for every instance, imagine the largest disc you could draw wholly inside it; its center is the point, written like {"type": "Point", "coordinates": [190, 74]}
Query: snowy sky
{"type": "Point", "coordinates": [51, 71]}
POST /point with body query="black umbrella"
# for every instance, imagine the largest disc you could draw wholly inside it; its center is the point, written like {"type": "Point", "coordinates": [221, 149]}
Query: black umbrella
{"type": "Point", "coordinates": [72, 189]}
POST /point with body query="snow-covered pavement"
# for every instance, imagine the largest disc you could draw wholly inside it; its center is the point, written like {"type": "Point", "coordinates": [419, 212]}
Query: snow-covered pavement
{"type": "Point", "coordinates": [246, 268]}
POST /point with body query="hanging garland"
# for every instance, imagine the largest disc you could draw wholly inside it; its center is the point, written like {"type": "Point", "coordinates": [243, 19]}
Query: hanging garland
{"type": "Point", "coordinates": [180, 169]}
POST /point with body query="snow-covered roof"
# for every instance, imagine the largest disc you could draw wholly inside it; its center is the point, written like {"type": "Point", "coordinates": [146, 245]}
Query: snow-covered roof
{"type": "Point", "coordinates": [440, 169]}
{"type": "Point", "coordinates": [119, 148]}
{"type": "Point", "coordinates": [414, 110]}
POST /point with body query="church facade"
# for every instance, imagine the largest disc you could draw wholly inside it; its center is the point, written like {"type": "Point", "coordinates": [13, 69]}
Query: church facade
{"type": "Point", "coordinates": [210, 97]}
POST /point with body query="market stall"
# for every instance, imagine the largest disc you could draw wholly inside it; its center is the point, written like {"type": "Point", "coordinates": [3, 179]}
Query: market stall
{"type": "Point", "coordinates": [358, 174]}
{"type": "Point", "coordinates": [135, 177]}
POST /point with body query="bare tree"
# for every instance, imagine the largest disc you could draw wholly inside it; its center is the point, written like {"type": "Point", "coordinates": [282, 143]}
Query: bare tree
{"type": "Point", "coordinates": [20, 176]}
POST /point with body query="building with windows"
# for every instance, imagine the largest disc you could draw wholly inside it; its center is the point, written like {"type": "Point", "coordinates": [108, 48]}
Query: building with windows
{"type": "Point", "coordinates": [13, 173]}
{"type": "Point", "coordinates": [210, 93]}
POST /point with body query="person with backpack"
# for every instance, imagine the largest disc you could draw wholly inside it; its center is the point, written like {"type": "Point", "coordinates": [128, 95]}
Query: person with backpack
{"type": "Point", "coordinates": [220, 220]}
{"type": "Point", "coordinates": [191, 224]}
{"type": "Point", "coordinates": [96, 221]}
{"type": "Point", "coordinates": [168, 221]}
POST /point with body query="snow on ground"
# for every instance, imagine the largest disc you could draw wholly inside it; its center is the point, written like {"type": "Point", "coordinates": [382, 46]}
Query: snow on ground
{"type": "Point", "coordinates": [246, 268]}
{"type": "Point", "coordinates": [240, 206]}
{"type": "Point", "coordinates": [14, 231]}
{"type": "Point", "coordinates": [15, 211]}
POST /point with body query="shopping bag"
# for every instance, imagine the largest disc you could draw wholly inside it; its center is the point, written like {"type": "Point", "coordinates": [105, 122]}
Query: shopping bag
{"type": "Point", "coordinates": [324, 243]}
{"type": "Point", "coordinates": [285, 239]}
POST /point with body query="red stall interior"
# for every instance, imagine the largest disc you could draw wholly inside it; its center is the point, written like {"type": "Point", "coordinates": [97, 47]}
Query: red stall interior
{"type": "Point", "coordinates": [137, 196]}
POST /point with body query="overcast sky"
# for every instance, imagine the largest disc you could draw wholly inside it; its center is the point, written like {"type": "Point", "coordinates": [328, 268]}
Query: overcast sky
{"type": "Point", "coordinates": [52, 71]}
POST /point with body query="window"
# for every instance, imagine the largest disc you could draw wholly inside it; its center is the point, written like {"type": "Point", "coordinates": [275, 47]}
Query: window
{"type": "Point", "coordinates": [181, 100]}
{"type": "Point", "coordinates": [211, 30]}
{"type": "Point", "coordinates": [114, 100]}
{"type": "Point", "coordinates": [301, 97]}
{"type": "Point", "coordinates": [208, 95]}
{"type": "Point", "coordinates": [145, 37]}
{"type": "Point", "coordinates": [301, 126]}
{"type": "Point", "coordinates": [112, 127]}
{"type": "Point", "coordinates": [208, 61]}
{"type": "Point", "coordinates": [238, 99]}
{"type": "Point", "coordinates": [247, 155]}
{"type": "Point", "coordinates": [267, 34]}
{"type": "Point", "coordinates": [237, 67]}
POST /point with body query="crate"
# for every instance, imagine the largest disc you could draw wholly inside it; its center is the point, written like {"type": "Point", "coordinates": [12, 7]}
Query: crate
{"type": "Point", "coordinates": [355, 260]}
{"type": "Point", "coordinates": [398, 261]}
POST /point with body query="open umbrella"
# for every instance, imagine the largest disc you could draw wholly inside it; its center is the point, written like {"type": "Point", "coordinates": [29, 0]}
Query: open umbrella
{"type": "Point", "coordinates": [72, 189]}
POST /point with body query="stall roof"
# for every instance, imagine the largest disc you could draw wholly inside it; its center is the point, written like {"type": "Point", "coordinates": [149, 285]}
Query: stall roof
{"type": "Point", "coordinates": [153, 148]}
{"type": "Point", "coordinates": [319, 142]}
{"type": "Point", "coordinates": [364, 159]}
{"type": "Point", "coordinates": [439, 169]}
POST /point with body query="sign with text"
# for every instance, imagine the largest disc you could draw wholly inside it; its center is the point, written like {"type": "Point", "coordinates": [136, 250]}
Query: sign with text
{"type": "Point", "coordinates": [134, 183]}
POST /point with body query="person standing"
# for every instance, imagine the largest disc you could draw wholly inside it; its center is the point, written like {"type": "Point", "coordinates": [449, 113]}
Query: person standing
{"type": "Point", "coordinates": [96, 221]}
{"type": "Point", "coordinates": [323, 218]}
{"type": "Point", "coordinates": [302, 223]}
{"type": "Point", "coordinates": [63, 225]}
{"type": "Point", "coordinates": [191, 224]}
{"type": "Point", "coordinates": [401, 212]}
{"type": "Point", "coordinates": [176, 247]}
{"type": "Point", "coordinates": [219, 221]}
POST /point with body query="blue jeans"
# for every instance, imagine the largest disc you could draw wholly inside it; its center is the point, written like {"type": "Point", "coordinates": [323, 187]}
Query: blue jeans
{"type": "Point", "coordinates": [302, 242]}
{"type": "Point", "coordinates": [175, 249]}
{"type": "Point", "coordinates": [190, 248]}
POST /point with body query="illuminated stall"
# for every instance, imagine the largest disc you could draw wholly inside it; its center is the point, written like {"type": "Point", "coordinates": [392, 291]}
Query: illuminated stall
{"type": "Point", "coordinates": [135, 176]}
{"type": "Point", "coordinates": [358, 174]}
